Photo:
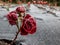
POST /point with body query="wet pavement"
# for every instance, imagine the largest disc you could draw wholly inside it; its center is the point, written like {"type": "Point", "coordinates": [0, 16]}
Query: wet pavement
{"type": "Point", "coordinates": [48, 28]}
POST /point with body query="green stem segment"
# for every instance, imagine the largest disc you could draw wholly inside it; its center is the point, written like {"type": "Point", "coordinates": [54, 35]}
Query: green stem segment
{"type": "Point", "coordinates": [16, 34]}
{"type": "Point", "coordinates": [18, 30]}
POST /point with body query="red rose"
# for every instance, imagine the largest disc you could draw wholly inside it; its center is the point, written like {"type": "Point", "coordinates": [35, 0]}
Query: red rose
{"type": "Point", "coordinates": [20, 9]}
{"type": "Point", "coordinates": [23, 32]}
{"type": "Point", "coordinates": [28, 25]}
{"type": "Point", "coordinates": [12, 18]}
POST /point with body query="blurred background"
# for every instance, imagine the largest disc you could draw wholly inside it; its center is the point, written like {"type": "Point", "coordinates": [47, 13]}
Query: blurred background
{"type": "Point", "coordinates": [53, 2]}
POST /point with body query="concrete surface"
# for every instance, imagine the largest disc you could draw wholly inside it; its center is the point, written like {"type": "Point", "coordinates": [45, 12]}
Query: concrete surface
{"type": "Point", "coordinates": [48, 28]}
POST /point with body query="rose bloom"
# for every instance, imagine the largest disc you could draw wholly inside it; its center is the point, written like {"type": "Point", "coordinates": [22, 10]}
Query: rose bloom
{"type": "Point", "coordinates": [28, 25]}
{"type": "Point", "coordinates": [20, 9]}
{"type": "Point", "coordinates": [12, 18]}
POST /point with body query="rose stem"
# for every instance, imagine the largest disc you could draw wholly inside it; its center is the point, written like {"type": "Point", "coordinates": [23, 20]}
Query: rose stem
{"type": "Point", "coordinates": [16, 34]}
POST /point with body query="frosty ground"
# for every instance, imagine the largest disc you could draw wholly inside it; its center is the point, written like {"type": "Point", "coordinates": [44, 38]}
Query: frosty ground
{"type": "Point", "coordinates": [48, 28]}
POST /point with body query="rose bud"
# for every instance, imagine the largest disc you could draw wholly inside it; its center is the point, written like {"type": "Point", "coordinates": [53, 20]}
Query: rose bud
{"type": "Point", "coordinates": [20, 9]}
{"type": "Point", "coordinates": [12, 18]}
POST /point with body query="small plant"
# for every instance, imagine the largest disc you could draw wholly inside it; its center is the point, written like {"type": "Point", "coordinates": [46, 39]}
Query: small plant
{"type": "Point", "coordinates": [28, 23]}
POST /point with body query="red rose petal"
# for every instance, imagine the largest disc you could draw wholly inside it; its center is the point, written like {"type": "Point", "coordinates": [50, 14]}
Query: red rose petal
{"type": "Point", "coordinates": [33, 31]}
{"type": "Point", "coordinates": [23, 32]}
{"type": "Point", "coordinates": [29, 24]}
{"type": "Point", "coordinates": [20, 9]}
{"type": "Point", "coordinates": [12, 18]}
